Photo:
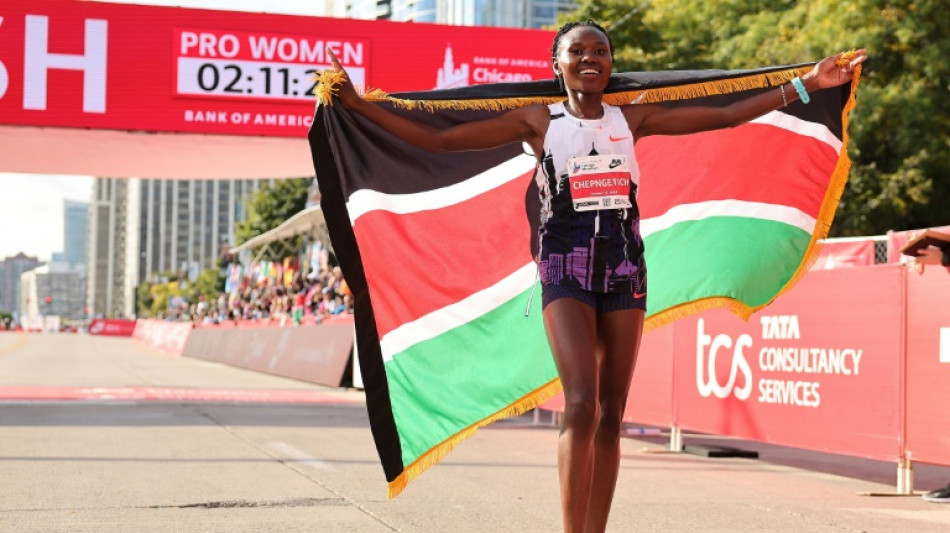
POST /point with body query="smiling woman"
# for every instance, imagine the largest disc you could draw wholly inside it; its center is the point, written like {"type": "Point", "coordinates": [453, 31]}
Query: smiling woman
{"type": "Point", "coordinates": [590, 249]}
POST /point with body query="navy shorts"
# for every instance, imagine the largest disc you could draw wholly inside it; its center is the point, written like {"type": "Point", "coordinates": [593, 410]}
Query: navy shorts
{"type": "Point", "coordinates": [602, 302]}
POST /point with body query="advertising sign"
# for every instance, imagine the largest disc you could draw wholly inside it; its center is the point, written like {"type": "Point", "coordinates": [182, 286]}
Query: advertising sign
{"type": "Point", "coordinates": [68, 63]}
{"type": "Point", "coordinates": [818, 369]}
{"type": "Point", "coordinates": [112, 327]}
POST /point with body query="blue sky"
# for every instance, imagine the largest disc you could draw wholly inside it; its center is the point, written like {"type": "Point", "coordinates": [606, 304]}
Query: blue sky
{"type": "Point", "coordinates": [31, 205]}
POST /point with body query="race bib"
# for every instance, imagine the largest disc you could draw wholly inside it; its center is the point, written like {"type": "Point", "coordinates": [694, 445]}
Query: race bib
{"type": "Point", "coordinates": [599, 182]}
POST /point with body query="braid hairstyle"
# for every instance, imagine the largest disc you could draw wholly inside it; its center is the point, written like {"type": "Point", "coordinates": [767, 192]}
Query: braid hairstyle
{"type": "Point", "coordinates": [568, 27]}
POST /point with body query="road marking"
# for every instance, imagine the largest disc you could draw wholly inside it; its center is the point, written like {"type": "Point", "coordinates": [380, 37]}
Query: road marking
{"type": "Point", "coordinates": [180, 394]}
{"type": "Point", "coordinates": [20, 341]}
{"type": "Point", "coordinates": [300, 456]}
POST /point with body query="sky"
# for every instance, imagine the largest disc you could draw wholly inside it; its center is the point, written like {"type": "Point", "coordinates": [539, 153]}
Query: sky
{"type": "Point", "coordinates": [31, 205]}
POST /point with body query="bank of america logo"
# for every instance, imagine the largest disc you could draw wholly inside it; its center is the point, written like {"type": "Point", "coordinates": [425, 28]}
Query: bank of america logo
{"type": "Point", "coordinates": [449, 76]}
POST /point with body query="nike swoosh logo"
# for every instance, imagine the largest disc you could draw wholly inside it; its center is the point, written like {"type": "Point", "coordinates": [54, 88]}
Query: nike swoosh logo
{"type": "Point", "coordinates": [616, 139]}
{"type": "Point", "coordinates": [638, 295]}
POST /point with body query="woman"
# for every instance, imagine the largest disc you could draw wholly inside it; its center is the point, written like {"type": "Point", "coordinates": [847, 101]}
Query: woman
{"type": "Point", "coordinates": [593, 309]}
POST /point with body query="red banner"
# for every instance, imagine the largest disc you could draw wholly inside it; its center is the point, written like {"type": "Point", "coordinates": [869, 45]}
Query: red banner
{"type": "Point", "coordinates": [819, 369]}
{"type": "Point", "coordinates": [120, 66]}
{"type": "Point", "coordinates": [928, 365]}
{"type": "Point", "coordinates": [112, 327]}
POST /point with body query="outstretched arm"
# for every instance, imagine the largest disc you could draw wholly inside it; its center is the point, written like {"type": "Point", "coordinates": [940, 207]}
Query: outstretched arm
{"type": "Point", "coordinates": [523, 124]}
{"type": "Point", "coordinates": [658, 120]}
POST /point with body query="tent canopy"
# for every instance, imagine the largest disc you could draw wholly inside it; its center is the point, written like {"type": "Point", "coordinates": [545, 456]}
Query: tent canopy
{"type": "Point", "coordinates": [309, 223]}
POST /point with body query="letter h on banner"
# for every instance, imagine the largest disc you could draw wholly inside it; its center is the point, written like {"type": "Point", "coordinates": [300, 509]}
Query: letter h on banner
{"type": "Point", "coordinates": [38, 60]}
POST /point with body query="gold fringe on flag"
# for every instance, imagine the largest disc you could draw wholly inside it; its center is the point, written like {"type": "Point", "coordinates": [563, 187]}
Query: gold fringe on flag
{"type": "Point", "coordinates": [646, 96]}
{"type": "Point", "coordinates": [436, 453]}
{"type": "Point", "coordinates": [839, 177]}
{"type": "Point", "coordinates": [328, 80]}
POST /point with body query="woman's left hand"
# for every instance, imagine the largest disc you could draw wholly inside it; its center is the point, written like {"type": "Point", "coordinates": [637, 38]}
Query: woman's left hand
{"type": "Point", "coordinates": [828, 73]}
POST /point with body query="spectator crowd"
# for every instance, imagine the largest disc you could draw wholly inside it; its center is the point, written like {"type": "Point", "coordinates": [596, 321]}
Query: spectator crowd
{"type": "Point", "coordinates": [304, 299]}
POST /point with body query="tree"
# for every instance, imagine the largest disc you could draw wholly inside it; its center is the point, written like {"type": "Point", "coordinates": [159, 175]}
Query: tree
{"type": "Point", "coordinates": [899, 132]}
{"type": "Point", "coordinates": [209, 283]}
{"type": "Point", "coordinates": [272, 205]}
{"type": "Point", "coordinates": [144, 299]}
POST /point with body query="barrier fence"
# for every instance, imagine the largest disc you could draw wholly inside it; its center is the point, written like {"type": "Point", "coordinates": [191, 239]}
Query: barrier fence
{"type": "Point", "coordinates": [316, 354]}
{"type": "Point", "coordinates": [168, 336]}
{"type": "Point", "coordinates": [852, 361]}
{"type": "Point", "coordinates": [312, 353]}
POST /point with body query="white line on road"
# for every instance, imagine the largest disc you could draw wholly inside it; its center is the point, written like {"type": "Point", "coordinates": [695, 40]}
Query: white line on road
{"type": "Point", "coordinates": [289, 451]}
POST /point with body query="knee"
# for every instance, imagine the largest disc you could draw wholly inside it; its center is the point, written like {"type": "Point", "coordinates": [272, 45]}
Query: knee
{"type": "Point", "coordinates": [611, 420]}
{"type": "Point", "coordinates": [581, 412]}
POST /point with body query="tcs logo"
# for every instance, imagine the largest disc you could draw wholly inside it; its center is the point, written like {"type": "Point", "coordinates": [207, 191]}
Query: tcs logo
{"type": "Point", "coordinates": [708, 349]}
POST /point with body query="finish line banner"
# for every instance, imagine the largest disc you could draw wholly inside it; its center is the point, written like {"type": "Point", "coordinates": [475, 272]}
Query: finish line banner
{"type": "Point", "coordinates": [76, 64]}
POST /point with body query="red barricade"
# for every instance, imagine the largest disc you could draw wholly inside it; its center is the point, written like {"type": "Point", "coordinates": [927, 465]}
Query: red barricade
{"type": "Point", "coordinates": [168, 336]}
{"type": "Point", "coordinates": [317, 354]}
{"type": "Point", "coordinates": [112, 327]}
{"type": "Point", "coordinates": [928, 365]}
{"type": "Point", "coordinates": [818, 369]}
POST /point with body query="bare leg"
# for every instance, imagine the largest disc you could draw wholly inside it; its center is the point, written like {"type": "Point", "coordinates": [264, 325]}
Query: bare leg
{"type": "Point", "coordinates": [619, 332]}
{"type": "Point", "coordinates": [572, 334]}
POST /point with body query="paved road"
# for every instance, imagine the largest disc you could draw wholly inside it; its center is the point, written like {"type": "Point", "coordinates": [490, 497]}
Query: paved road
{"type": "Point", "coordinates": [125, 439]}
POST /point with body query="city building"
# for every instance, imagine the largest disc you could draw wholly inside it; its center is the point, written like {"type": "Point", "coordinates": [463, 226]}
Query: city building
{"type": "Point", "coordinates": [10, 270]}
{"type": "Point", "coordinates": [75, 234]}
{"type": "Point", "coordinates": [144, 229]}
{"type": "Point", "coordinates": [45, 293]}
{"type": "Point", "coordinates": [500, 13]}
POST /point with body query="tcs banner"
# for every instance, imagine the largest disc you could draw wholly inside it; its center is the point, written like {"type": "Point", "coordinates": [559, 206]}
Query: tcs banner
{"type": "Point", "coordinates": [118, 66]}
{"type": "Point", "coordinates": [819, 369]}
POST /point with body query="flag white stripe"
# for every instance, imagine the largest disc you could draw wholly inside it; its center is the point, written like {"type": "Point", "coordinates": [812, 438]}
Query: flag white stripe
{"type": "Point", "coordinates": [796, 125]}
{"type": "Point", "coordinates": [464, 311]}
{"type": "Point", "coordinates": [459, 313]}
{"type": "Point", "coordinates": [364, 200]}
{"type": "Point", "coordinates": [728, 208]}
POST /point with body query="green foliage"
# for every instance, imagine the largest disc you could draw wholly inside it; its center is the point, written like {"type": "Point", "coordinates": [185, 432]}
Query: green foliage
{"type": "Point", "coordinates": [270, 206]}
{"type": "Point", "coordinates": [900, 130]}
{"type": "Point", "coordinates": [210, 283]}
{"type": "Point", "coordinates": [143, 299]}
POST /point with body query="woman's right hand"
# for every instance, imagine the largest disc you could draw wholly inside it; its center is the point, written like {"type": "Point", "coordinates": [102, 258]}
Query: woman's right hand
{"type": "Point", "coordinates": [345, 90]}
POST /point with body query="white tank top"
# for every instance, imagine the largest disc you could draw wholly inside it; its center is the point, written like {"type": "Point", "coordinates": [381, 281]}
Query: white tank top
{"type": "Point", "coordinates": [589, 229]}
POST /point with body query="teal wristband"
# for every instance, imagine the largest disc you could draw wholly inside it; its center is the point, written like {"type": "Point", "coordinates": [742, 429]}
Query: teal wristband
{"type": "Point", "coordinates": [800, 89]}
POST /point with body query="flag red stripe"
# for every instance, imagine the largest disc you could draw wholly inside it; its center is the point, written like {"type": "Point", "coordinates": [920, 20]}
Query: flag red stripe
{"type": "Point", "coordinates": [754, 162]}
{"type": "Point", "coordinates": [442, 256]}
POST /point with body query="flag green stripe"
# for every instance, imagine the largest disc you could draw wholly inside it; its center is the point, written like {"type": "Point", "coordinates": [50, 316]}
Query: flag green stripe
{"type": "Point", "coordinates": [443, 385]}
{"type": "Point", "coordinates": [748, 259]}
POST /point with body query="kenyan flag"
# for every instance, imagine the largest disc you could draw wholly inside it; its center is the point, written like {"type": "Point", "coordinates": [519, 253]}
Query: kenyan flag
{"type": "Point", "coordinates": [438, 248]}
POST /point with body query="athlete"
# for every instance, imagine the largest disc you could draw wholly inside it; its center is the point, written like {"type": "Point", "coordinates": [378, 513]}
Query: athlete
{"type": "Point", "coordinates": [590, 255]}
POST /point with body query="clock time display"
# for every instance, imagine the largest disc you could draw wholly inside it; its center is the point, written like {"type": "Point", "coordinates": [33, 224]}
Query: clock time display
{"type": "Point", "coordinates": [218, 64]}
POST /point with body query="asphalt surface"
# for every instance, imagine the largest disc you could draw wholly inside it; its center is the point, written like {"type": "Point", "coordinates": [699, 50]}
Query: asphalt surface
{"type": "Point", "coordinates": [109, 435]}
